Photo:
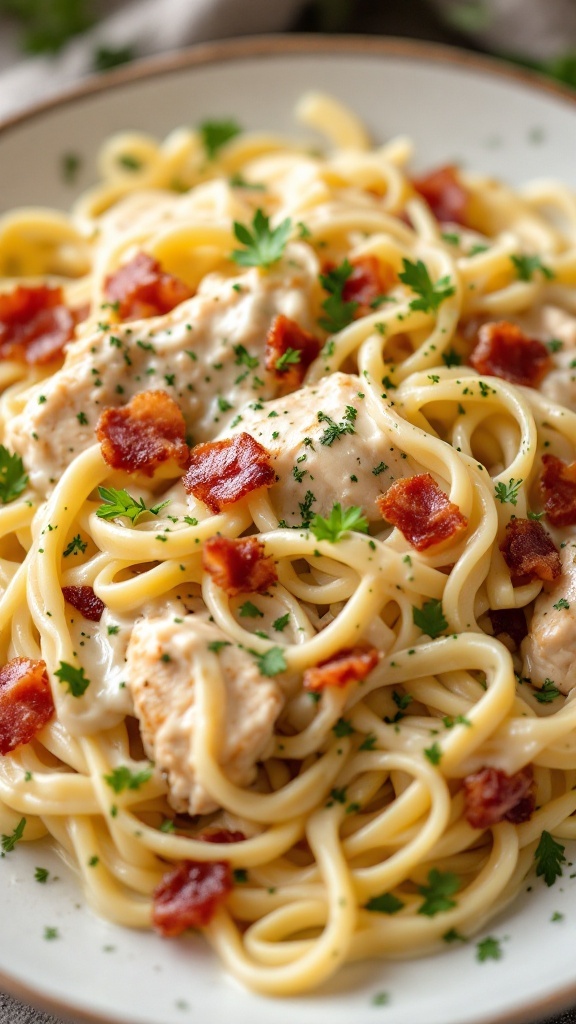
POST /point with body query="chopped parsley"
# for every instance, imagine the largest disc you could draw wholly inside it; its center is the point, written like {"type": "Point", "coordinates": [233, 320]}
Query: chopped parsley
{"type": "Point", "coordinates": [263, 245]}
{"type": "Point", "coordinates": [437, 894]}
{"type": "Point", "coordinates": [338, 312]}
{"type": "Point", "coordinates": [339, 521]}
{"type": "Point", "coordinates": [215, 134]}
{"type": "Point", "coordinates": [124, 778]}
{"type": "Point", "coordinates": [8, 842]}
{"type": "Point", "coordinates": [74, 677]}
{"type": "Point", "coordinates": [488, 949]}
{"type": "Point", "coordinates": [507, 492]}
{"type": "Point", "coordinates": [41, 875]}
{"type": "Point", "coordinates": [280, 623]}
{"type": "Point", "coordinates": [121, 503]}
{"type": "Point", "coordinates": [386, 903]}
{"type": "Point", "coordinates": [431, 295]}
{"type": "Point", "coordinates": [433, 753]}
{"type": "Point", "coordinates": [249, 611]}
{"type": "Point", "coordinates": [13, 479]}
{"type": "Point", "coordinates": [547, 692]}
{"type": "Point", "coordinates": [526, 267]}
{"type": "Point", "coordinates": [271, 662]}
{"type": "Point", "coordinates": [549, 857]}
{"type": "Point", "coordinates": [335, 430]}
{"type": "Point", "coordinates": [291, 357]}
{"type": "Point", "coordinates": [76, 545]}
{"type": "Point", "coordinates": [430, 618]}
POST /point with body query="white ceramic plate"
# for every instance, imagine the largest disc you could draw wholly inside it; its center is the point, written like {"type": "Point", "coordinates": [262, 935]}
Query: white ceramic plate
{"type": "Point", "coordinates": [454, 107]}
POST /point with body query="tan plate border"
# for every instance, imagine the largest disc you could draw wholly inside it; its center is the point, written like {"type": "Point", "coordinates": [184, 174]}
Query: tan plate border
{"type": "Point", "coordinates": [250, 48]}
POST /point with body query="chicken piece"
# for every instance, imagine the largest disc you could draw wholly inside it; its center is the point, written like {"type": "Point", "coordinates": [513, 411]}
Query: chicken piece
{"type": "Point", "coordinates": [549, 650]}
{"type": "Point", "coordinates": [208, 354]}
{"type": "Point", "coordinates": [325, 447]}
{"type": "Point", "coordinates": [161, 658]}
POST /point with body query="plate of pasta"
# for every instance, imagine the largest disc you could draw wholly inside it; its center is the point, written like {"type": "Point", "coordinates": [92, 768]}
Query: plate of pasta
{"type": "Point", "coordinates": [287, 528]}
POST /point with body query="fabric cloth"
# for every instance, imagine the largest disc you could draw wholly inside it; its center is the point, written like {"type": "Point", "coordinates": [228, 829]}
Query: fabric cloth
{"type": "Point", "coordinates": [145, 26]}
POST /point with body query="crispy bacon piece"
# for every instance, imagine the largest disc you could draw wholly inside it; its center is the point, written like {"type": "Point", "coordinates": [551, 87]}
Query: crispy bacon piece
{"type": "Point", "coordinates": [503, 350]}
{"type": "Point", "coordinates": [84, 600]}
{"type": "Point", "coordinates": [35, 324]}
{"type": "Point", "coordinates": [141, 435]}
{"type": "Point", "coordinates": [349, 665]}
{"type": "Point", "coordinates": [529, 552]}
{"type": "Point", "coordinates": [285, 334]}
{"type": "Point", "coordinates": [491, 796]}
{"type": "Point", "coordinates": [445, 194]}
{"type": "Point", "coordinates": [511, 622]}
{"type": "Point", "coordinates": [558, 485]}
{"type": "Point", "coordinates": [421, 511]}
{"type": "Point", "coordinates": [142, 289]}
{"type": "Point", "coordinates": [238, 566]}
{"type": "Point", "coordinates": [222, 472]}
{"type": "Point", "coordinates": [189, 895]}
{"type": "Point", "coordinates": [26, 703]}
{"type": "Point", "coordinates": [368, 281]}
{"type": "Point", "coordinates": [222, 835]}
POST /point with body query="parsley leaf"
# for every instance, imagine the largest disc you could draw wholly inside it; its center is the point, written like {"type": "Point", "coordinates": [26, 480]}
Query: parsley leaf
{"type": "Point", "coordinates": [430, 618]}
{"type": "Point", "coordinates": [434, 753]}
{"type": "Point", "coordinates": [549, 857]}
{"type": "Point", "coordinates": [339, 521]}
{"type": "Point", "coordinates": [339, 313]}
{"type": "Point", "coordinates": [215, 134]}
{"type": "Point", "coordinates": [9, 842]}
{"type": "Point", "coordinates": [561, 603]}
{"type": "Point", "coordinates": [488, 949]}
{"type": "Point", "coordinates": [41, 874]}
{"type": "Point", "coordinates": [280, 623]}
{"type": "Point", "coordinates": [271, 662]}
{"type": "Point", "coordinates": [416, 276]}
{"type": "Point", "coordinates": [290, 357]}
{"type": "Point", "coordinates": [507, 492]}
{"type": "Point", "coordinates": [121, 503]}
{"type": "Point", "coordinates": [123, 778]}
{"type": "Point", "coordinates": [386, 903]}
{"type": "Point", "coordinates": [526, 267]}
{"type": "Point", "coordinates": [263, 245]}
{"type": "Point", "coordinates": [249, 611]}
{"type": "Point", "coordinates": [49, 24]}
{"type": "Point", "coordinates": [547, 693]}
{"type": "Point", "coordinates": [441, 886]}
{"type": "Point", "coordinates": [77, 682]}
{"type": "Point", "coordinates": [76, 545]}
{"type": "Point", "coordinates": [335, 430]}
{"type": "Point", "coordinates": [13, 479]}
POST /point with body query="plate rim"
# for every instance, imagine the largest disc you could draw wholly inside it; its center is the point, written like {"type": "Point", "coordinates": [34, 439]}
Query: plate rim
{"type": "Point", "coordinates": [262, 47]}
{"type": "Point", "coordinates": [295, 44]}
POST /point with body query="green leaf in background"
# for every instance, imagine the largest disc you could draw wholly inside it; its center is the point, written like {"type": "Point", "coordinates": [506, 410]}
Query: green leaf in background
{"type": "Point", "coordinates": [49, 24]}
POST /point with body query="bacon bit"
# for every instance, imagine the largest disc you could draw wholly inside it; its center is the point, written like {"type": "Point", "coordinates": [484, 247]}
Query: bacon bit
{"type": "Point", "coordinates": [421, 511]}
{"type": "Point", "coordinates": [368, 281]}
{"type": "Point", "coordinates": [84, 600]}
{"type": "Point", "coordinates": [35, 324]}
{"type": "Point", "coordinates": [558, 484]}
{"type": "Point", "coordinates": [529, 552]}
{"type": "Point", "coordinates": [445, 194]}
{"type": "Point", "coordinates": [350, 665]}
{"type": "Point", "coordinates": [144, 433]}
{"type": "Point", "coordinates": [503, 350]}
{"type": "Point", "coordinates": [238, 566]}
{"type": "Point", "coordinates": [510, 622]}
{"type": "Point", "coordinates": [285, 334]}
{"type": "Point", "coordinates": [142, 289]}
{"type": "Point", "coordinates": [189, 895]}
{"type": "Point", "coordinates": [222, 472]}
{"type": "Point", "coordinates": [491, 796]}
{"type": "Point", "coordinates": [222, 835]}
{"type": "Point", "coordinates": [26, 703]}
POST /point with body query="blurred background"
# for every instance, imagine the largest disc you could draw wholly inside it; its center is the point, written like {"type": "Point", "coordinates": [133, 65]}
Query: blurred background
{"type": "Point", "coordinates": [48, 45]}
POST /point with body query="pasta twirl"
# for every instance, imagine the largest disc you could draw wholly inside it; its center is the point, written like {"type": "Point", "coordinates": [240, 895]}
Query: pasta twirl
{"type": "Point", "coordinates": [289, 496]}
